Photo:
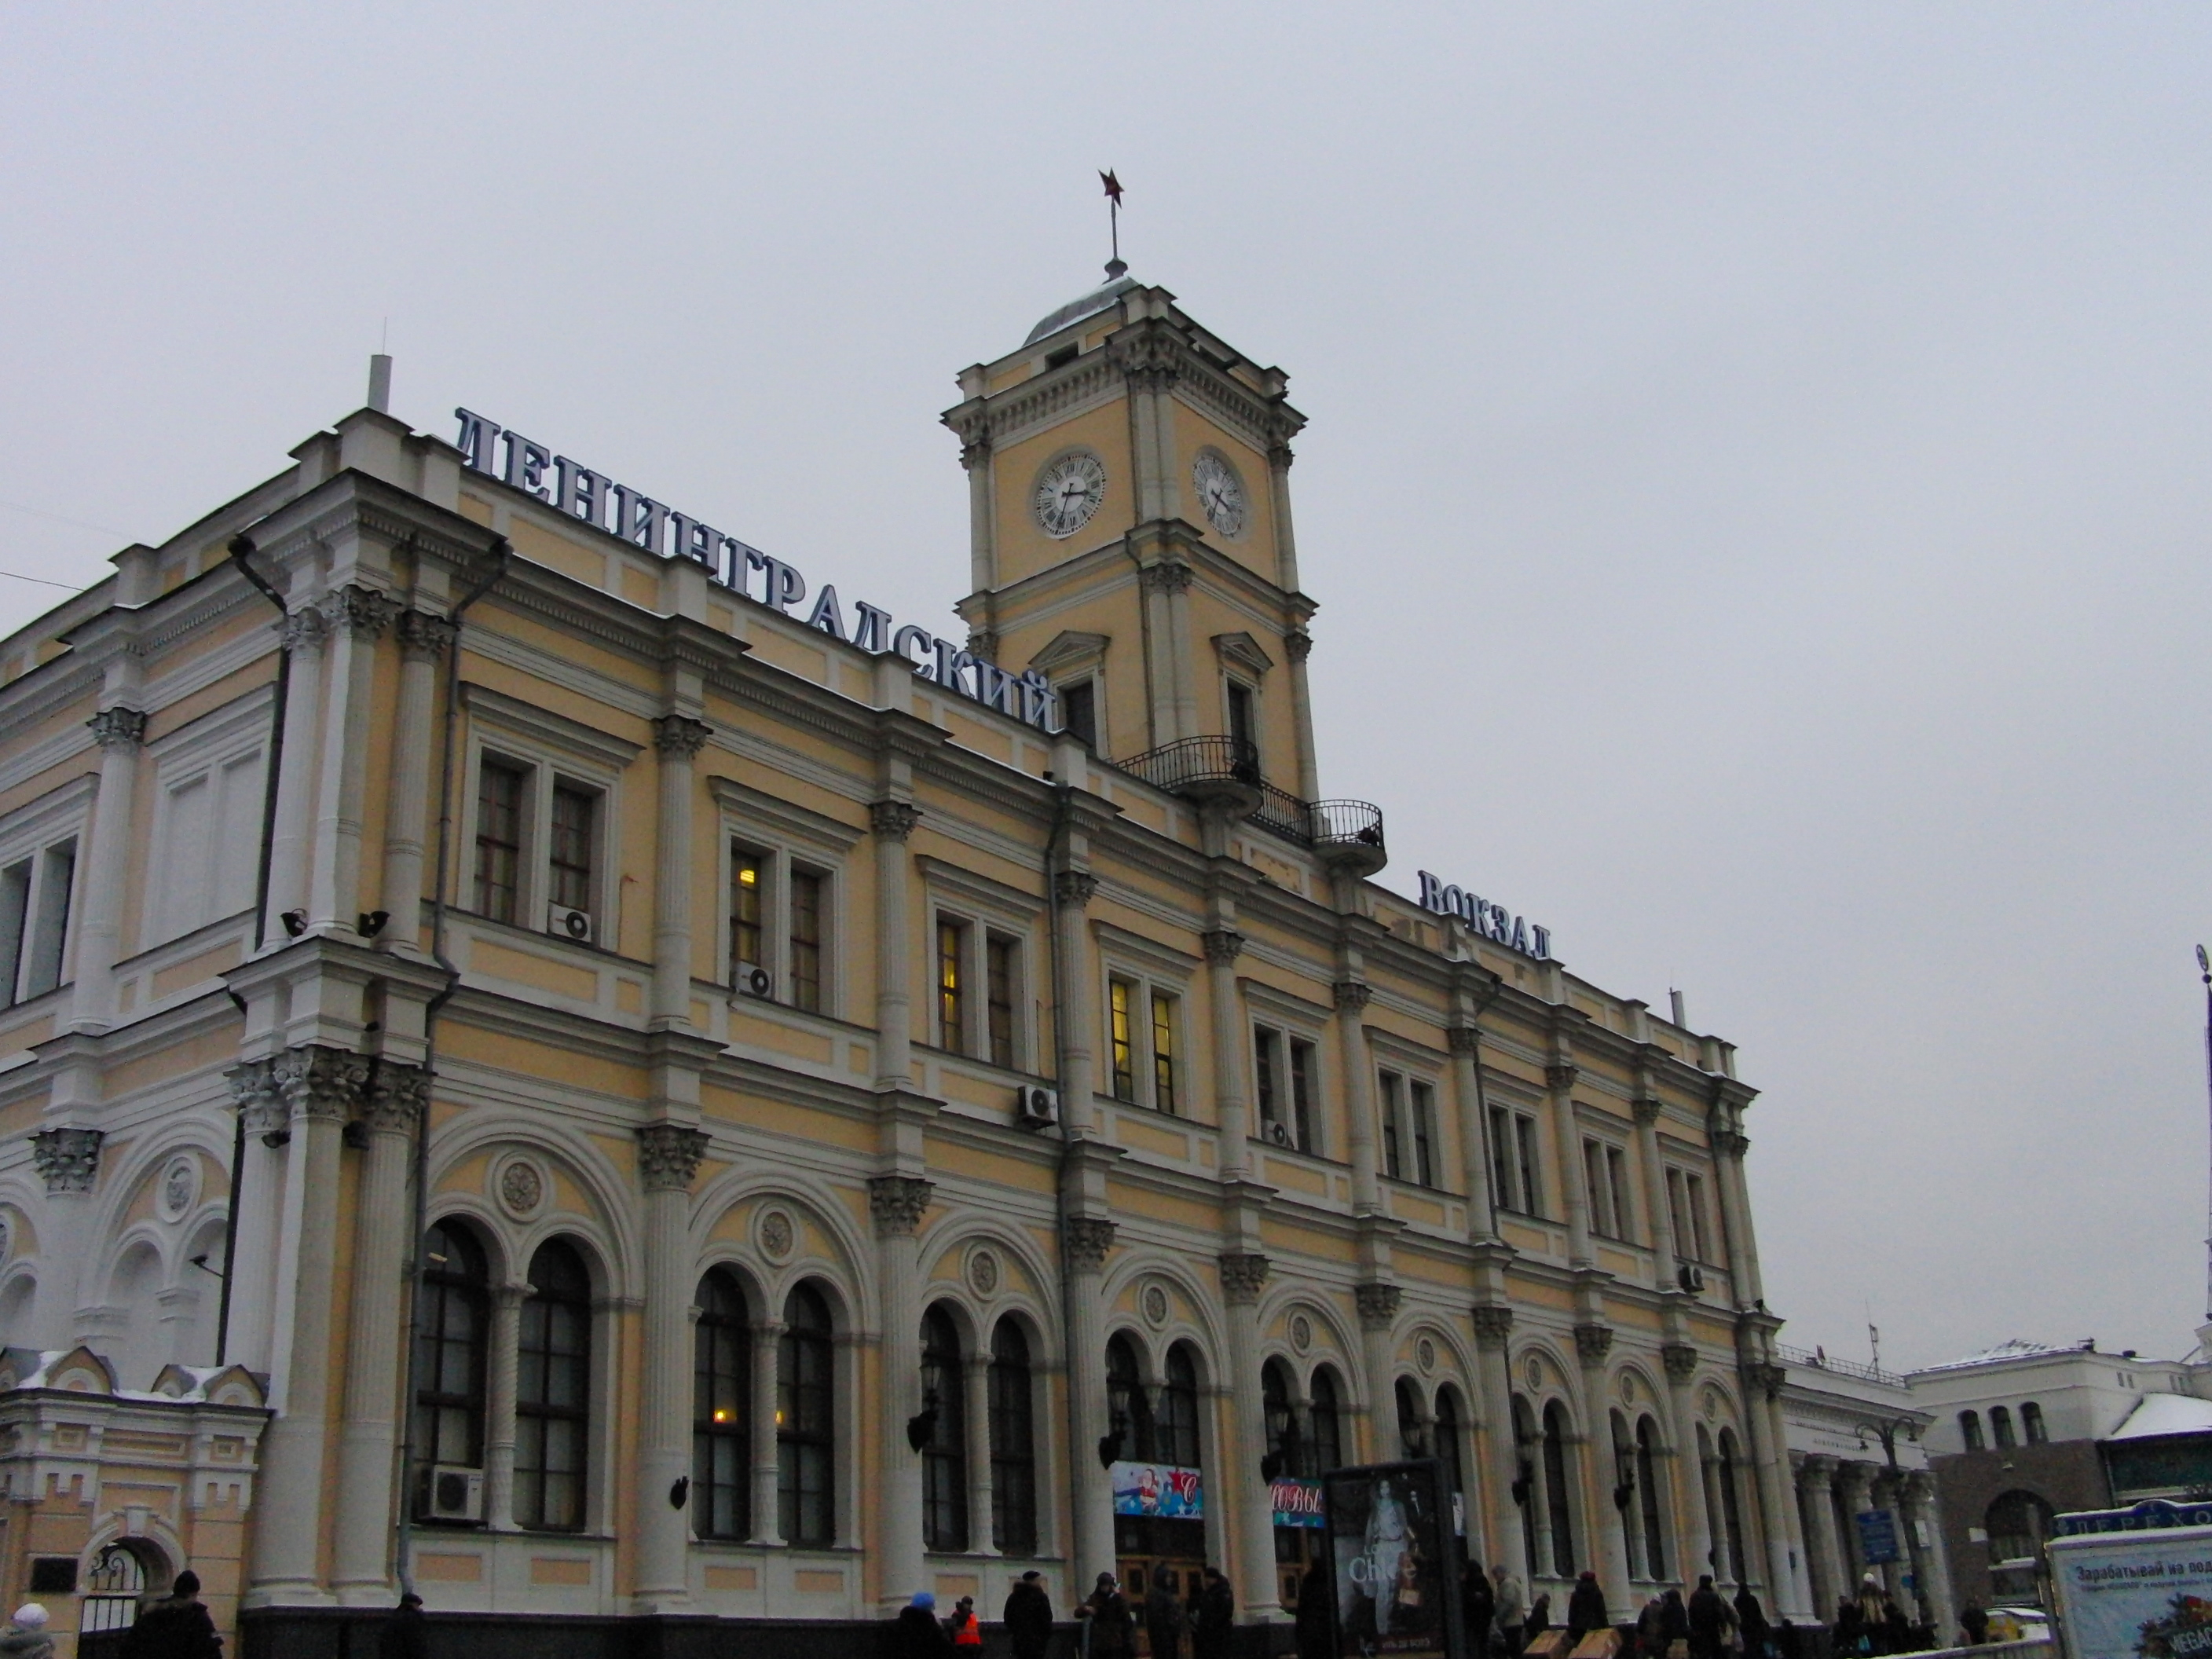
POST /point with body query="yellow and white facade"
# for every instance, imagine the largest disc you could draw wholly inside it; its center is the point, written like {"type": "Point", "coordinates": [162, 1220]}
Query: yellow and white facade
{"type": "Point", "coordinates": [807, 1062]}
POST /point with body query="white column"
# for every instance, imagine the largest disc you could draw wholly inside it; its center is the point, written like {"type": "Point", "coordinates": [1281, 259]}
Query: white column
{"type": "Point", "coordinates": [1352, 997]}
{"type": "Point", "coordinates": [1830, 1579]}
{"type": "Point", "coordinates": [1251, 1512]}
{"type": "Point", "coordinates": [104, 874]}
{"type": "Point", "coordinates": [259, 1196]}
{"type": "Point", "coordinates": [1231, 1113]}
{"type": "Point", "coordinates": [1493, 1331]}
{"type": "Point", "coordinates": [321, 1086]}
{"type": "Point", "coordinates": [767, 1521]}
{"type": "Point", "coordinates": [892, 822]}
{"type": "Point", "coordinates": [1762, 1392]}
{"type": "Point", "coordinates": [975, 1382]}
{"type": "Point", "coordinates": [668, 1157]}
{"type": "Point", "coordinates": [500, 1380]}
{"type": "Point", "coordinates": [1378, 1318]}
{"type": "Point", "coordinates": [422, 640]}
{"type": "Point", "coordinates": [1567, 1153]}
{"type": "Point", "coordinates": [67, 1162]}
{"type": "Point", "coordinates": [678, 738]}
{"type": "Point", "coordinates": [1932, 1569]}
{"type": "Point", "coordinates": [1692, 1514]}
{"type": "Point", "coordinates": [397, 1098]}
{"type": "Point", "coordinates": [355, 617]}
{"type": "Point", "coordinates": [1664, 1260]}
{"type": "Point", "coordinates": [897, 1203]}
{"type": "Point", "coordinates": [291, 845]}
{"type": "Point", "coordinates": [1473, 1132]}
{"type": "Point", "coordinates": [1593, 1342]}
{"type": "Point", "coordinates": [1085, 1240]}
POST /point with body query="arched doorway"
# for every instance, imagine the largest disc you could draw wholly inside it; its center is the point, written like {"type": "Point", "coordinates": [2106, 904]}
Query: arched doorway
{"type": "Point", "coordinates": [122, 1574]}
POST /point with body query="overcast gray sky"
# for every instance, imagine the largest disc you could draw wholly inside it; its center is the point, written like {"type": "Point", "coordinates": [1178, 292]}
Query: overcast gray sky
{"type": "Point", "coordinates": [1756, 488]}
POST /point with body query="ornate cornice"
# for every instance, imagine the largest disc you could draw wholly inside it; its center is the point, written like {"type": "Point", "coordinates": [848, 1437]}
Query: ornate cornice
{"type": "Point", "coordinates": [1244, 1274]}
{"type": "Point", "coordinates": [68, 1160]}
{"type": "Point", "coordinates": [668, 1156]}
{"type": "Point", "coordinates": [1223, 944]}
{"type": "Point", "coordinates": [893, 820]}
{"type": "Point", "coordinates": [1087, 1239]}
{"type": "Point", "coordinates": [1593, 1341]}
{"type": "Point", "coordinates": [898, 1203]}
{"type": "Point", "coordinates": [1377, 1304]}
{"type": "Point", "coordinates": [680, 734]}
{"type": "Point", "coordinates": [118, 727]}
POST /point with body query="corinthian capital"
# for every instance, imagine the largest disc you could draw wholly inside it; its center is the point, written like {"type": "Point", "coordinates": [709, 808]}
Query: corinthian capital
{"type": "Point", "coordinates": [68, 1160]}
{"type": "Point", "coordinates": [360, 611]}
{"type": "Point", "coordinates": [679, 734]}
{"type": "Point", "coordinates": [1493, 1326]}
{"type": "Point", "coordinates": [118, 728]}
{"type": "Point", "coordinates": [893, 820]}
{"type": "Point", "coordinates": [1075, 888]}
{"type": "Point", "coordinates": [1593, 1341]}
{"type": "Point", "coordinates": [1243, 1273]}
{"type": "Point", "coordinates": [1298, 643]}
{"type": "Point", "coordinates": [422, 634]}
{"type": "Point", "coordinates": [1087, 1239]}
{"type": "Point", "coordinates": [668, 1156]}
{"type": "Point", "coordinates": [898, 1203]}
{"type": "Point", "coordinates": [319, 1083]}
{"type": "Point", "coordinates": [1352, 995]}
{"type": "Point", "coordinates": [398, 1096]}
{"type": "Point", "coordinates": [1170, 576]}
{"type": "Point", "coordinates": [1377, 1304]}
{"type": "Point", "coordinates": [1223, 944]}
{"type": "Point", "coordinates": [1561, 1077]}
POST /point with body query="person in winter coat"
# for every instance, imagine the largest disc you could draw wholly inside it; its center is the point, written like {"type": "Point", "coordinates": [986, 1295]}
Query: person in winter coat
{"type": "Point", "coordinates": [916, 1634]}
{"type": "Point", "coordinates": [1216, 1622]}
{"type": "Point", "coordinates": [1478, 1606]}
{"type": "Point", "coordinates": [404, 1632]}
{"type": "Point", "coordinates": [1538, 1621]}
{"type": "Point", "coordinates": [1975, 1623]}
{"type": "Point", "coordinates": [1511, 1609]}
{"type": "Point", "coordinates": [1710, 1619]}
{"type": "Point", "coordinates": [965, 1629]}
{"type": "Point", "coordinates": [1673, 1623]}
{"type": "Point", "coordinates": [1871, 1613]}
{"type": "Point", "coordinates": [1316, 1634]}
{"type": "Point", "coordinates": [25, 1635]}
{"type": "Point", "coordinates": [1586, 1608]}
{"type": "Point", "coordinates": [1848, 1636]}
{"type": "Point", "coordinates": [1028, 1616]}
{"type": "Point", "coordinates": [1163, 1620]}
{"type": "Point", "coordinates": [1751, 1619]}
{"type": "Point", "coordinates": [1650, 1641]}
{"type": "Point", "coordinates": [175, 1627]}
{"type": "Point", "coordinates": [1113, 1627]}
{"type": "Point", "coordinates": [1897, 1629]}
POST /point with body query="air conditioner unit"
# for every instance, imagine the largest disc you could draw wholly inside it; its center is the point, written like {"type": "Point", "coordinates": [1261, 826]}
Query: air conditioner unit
{"type": "Point", "coordinates": [1691, 1277]}
{"type": "Point", "coordinates": [754, 981]}
{"type": "Point", "coordinates": [1279, 1134]}
{"type": "Point", "coordinates": [456, 1494]}
{"type": "Point", "coordinates": [570, 924]}
{"type": "Point", "coordinates": [1037, 1107]}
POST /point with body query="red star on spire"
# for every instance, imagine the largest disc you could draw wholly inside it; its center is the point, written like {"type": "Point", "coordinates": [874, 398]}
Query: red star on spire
{"type": "Point", "coordinates": [1113, 186]}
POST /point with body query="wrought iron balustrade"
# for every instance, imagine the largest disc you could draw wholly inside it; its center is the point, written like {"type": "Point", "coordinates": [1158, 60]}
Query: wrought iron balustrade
{"type": "Point", "coordinates": [1207, 766]}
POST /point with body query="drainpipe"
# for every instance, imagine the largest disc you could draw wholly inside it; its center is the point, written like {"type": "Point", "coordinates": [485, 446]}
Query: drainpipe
{"type": "Point", "coordinates": [241, 555]}
{"type": "Point", "coordinates": [403, 1527]}
{"type": "Point", "coordinates": [1062, 815]}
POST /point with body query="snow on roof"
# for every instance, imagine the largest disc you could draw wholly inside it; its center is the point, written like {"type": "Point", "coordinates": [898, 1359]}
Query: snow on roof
{"type": "Point", "coordinates": [2166, 1413]}
{"type": "Point", "coordinates": [2018, 1347]}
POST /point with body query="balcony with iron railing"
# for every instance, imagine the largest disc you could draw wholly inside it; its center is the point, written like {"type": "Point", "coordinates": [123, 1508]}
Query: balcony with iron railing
{"type": "Point", "coordinates": [1225, 772]}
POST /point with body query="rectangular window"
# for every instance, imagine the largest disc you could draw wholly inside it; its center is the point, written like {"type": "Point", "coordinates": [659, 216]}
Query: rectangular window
{"type": "Point", "coordinates": [15, 923]}
{"type": "Point", "coordinates": [1422, 1101]}
{"type": "Point", "coordinates": [56, 876]}
{"type": "Point", "coordinates": [1243, 733]}
{"type": "Point", "coordinates": [573, 814]}
{"type": "Point", "coordinates": [1502, 1192]}
{"type": "Point", "coordinates": [1391, 1161]}
{"type": "Point", "coordinates": [1266, 1046]}
{"type": "Point", "coordinates": [1119, 995]}
{"type": "Point", "coordinates": [951, 986]}
{"type": "Point", "coordinates": [1302, 1072]}
{"type": "Point", "coordinates": [1599, 1196]}
{"type": "Point", "coordinates": [999, 991]}
{"type": "Point", "coordinates": [746, 884]}
{"type": "Point", "coordinates": [1531, 1166]}
{"type": "Point", "coordinates": [806, 941]}
{"type": "Point", "coordinates": [1616, 1170]}
{"type": "Point", "coordinates": [1693, 1189]}
{"type": "Point", "coordinates": [1164, 1052]}
{"type": "Point", "coordinates": [499, 840]}
{"type": "Point", "coordinates": [1079, 711]}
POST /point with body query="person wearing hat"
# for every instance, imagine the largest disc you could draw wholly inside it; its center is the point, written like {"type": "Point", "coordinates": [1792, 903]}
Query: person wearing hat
{"type": "Point", "coordinates": [25, 1635]}
{"type": "Point", "coordinates": [917, 1635]}
{"type": "Point", "coordinates": [175, 1627]}
{"type": "Point", "coordinates": [1113, 1627]}
{"type": "Point", "coordinates": [1028, 1616]}
{"type": "Point", "coordinates": [403, 1634]}
{"type": "Point", "coordinates": [967, 1630]}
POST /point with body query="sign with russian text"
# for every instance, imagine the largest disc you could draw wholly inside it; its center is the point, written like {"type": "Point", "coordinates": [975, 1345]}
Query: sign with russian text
{"type": "Point", "coordinates": [2135, 1595]}
{"type": "Point", "coordinates": [2155, 1515]}
{"type": "Point", "coordinates": [1297, 1503]}
{"type": "Point", "coordinates": [1393, 1576]}
{"type": "Point", "coordinates": [1878, 1537]}
{"type": "Point", "coordinates": [1165, 1491]}
{"type": "Point", "coordinates": [1483, 919]}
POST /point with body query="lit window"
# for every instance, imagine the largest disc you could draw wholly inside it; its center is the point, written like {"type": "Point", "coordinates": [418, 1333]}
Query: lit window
{"type": "Point", "coordinates": [951, 986]}
{"type": "Point", "coordinates": [722, 1411]}
{"type": "Point", "coordinates": [746, 884]}
{"type": "Point", "coordinates": [1119, 994]}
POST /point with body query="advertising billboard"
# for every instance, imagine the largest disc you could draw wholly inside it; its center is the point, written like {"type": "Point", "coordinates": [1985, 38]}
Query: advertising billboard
{"type": "Point", "coordinates": [1394, 1563]}
{"type": "Point", "coordinates": [2135, 1595]}
{"type": "Point", "coordinates": [1165, 1489]}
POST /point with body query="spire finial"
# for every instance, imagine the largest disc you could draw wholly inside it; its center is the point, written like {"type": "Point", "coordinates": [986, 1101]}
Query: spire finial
{"type": "Point", "coordinates": [1114, 268]}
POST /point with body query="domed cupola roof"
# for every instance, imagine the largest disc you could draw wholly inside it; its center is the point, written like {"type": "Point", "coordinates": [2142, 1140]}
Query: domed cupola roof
{"type": "Point", "coordinates": [1118, 283]}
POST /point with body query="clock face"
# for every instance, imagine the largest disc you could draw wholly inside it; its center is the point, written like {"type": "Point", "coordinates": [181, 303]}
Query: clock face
{"type": "Point", "coordinates": [1220, 492]}
{"type": "Point", "coordinates": [1069, 493]}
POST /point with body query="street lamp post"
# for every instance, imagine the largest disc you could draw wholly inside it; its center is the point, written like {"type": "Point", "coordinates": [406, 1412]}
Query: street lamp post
{"type": "Point", "coordinates": [1888, 1431]}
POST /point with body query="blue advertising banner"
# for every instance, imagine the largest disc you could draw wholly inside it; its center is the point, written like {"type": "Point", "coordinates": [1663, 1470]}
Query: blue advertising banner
{"type": "Point", "coordinates": [1159, 1489]}
{"type": "Point", "coordinates": [2153, 1515]}
{"type": "Point", "coordinates": [1878, 1537]}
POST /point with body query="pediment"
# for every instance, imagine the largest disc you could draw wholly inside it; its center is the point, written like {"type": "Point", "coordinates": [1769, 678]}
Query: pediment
{"type": "Point", "coordinates": [1071, 648]}
{"type": "Point", "coordinates": [1244, 651]}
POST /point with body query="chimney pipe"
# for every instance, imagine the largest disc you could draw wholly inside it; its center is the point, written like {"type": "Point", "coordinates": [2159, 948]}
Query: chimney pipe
{"type": "Point", "coordinates": [380, 383]}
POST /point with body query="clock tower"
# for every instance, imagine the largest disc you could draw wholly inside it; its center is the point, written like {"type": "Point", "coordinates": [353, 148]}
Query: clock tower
{"type": "Point", "coordinates": [1130, 532]}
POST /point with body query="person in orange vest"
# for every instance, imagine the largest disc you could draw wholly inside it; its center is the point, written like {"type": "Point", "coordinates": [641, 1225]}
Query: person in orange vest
{"type": "Point", "coordinates": [967, 1630]}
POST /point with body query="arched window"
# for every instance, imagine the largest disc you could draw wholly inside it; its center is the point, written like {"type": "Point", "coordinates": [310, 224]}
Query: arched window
{"type": "Point", "coordinates": [1970, 1429]}
{"type": "Point", "coordinates": [1446, 1438]}
{"type": "Point", "coordinates": [2031, 1424]}
{"type": "Point", "coordinates": [722, 1411]}
{"type": "Point", "coordinates": [450, 1328]}
{"type": "Point", "coordinates": [1285, 1443]}
{"type": "Point", "coordinates": [1328, 1419]}
{"type": "Point", "coordinates": [1013, 1442]}
{"type": "Point", "coordinates": [944, 1453]}
{"type": "Point", "coordinates": [1729, 1467]}
{"type": "Point", "coordinates": [2017, 1522]}
{"type": "Point", "coordinates": [1178, 1423]}
{"type": "Point", "coordinates": [1647, 1490]}
{"type": "Point", "coordinates": [1413, 1433]}
{"type": "Point", "coordinates": [115, 1582]}
{"type": "Point", "coordinates": [1126, 1403]}
{"type": "Point", "coordinates": [552, 1391]}
{"type": "Point", "coordinates": [1555, 1492]}
{"type": "Point", "coordinates": [2000, 1426]}
{"type": "Point", "coordinates": [805, 1422]}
